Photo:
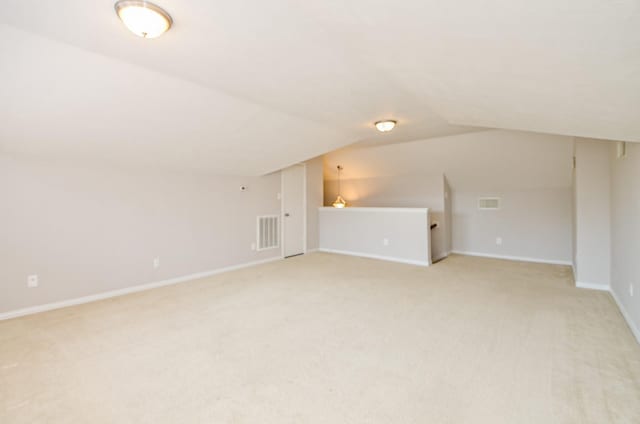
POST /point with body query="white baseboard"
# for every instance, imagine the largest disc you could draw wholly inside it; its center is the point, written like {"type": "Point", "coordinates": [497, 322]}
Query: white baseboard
{"type": "Point", "coordinates": [593, 286]}
{"type": "Point", "coordinates": [127, 290]}
{"type": "Point", "coordinates": [583, 285]}
{"type": "Point", "coordinates": [626, 316]}
{"type": "Point", "coordinates": [369, 256]}
{"type": "Point", "coordinates": [513, 258]}
{"type": "Point", "coordinates": [604, 287]}
{"type": "Point", "coordinates": [311, 250]}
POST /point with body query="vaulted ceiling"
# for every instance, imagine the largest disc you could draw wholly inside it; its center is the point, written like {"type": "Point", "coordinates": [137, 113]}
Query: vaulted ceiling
{"type": "Point", "coordinates": [248, 87]}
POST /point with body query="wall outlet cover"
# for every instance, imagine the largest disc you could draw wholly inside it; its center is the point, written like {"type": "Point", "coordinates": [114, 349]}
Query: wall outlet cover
{"type": "Point", "coordinates": [499, 241]}
{"type": "Point", "coordinates": [32, 281]}
{"type": "Point", "coordinates": [156, 262]}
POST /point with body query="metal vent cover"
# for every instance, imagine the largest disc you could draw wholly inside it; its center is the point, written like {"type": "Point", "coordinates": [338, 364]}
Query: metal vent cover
{"type": "Point", "coordinates": [268, 235]}
{"type": "Point", "coordinates": [489, 203]}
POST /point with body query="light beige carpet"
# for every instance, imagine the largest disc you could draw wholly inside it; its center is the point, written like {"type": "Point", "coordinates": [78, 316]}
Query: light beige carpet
{"type": "Point", "coordinates": [331, 339]}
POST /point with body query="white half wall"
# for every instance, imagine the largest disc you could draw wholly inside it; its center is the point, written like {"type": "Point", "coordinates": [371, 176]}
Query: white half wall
{"type": "Point", "coordinates": [400, 191]}
{"type": "Point", "coordinates": [395, 234]}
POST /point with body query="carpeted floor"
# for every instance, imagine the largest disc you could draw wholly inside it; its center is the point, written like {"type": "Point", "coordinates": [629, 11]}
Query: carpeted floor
{"type": "Point", "coordinates": [331, 339]}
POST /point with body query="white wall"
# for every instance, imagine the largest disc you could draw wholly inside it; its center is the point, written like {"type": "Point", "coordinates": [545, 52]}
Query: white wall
{"type": "Point", "coordinates": [625, 231]}
{"type": "Point", "coordinates": [592, 212]}
{"type": "Point", "coordinates": [448, 216]}
{"type": "Point", "coordinates": [500, 159]}
{"type": "Point", "coordinates": [397, 234]}
{"type": "Point", "coordinates": [399, 191]}
{"type": "Point", "coordinates": [574, 214]}
{"type": "Point", "coordinates": [314, 200]}
{"type": "Point", "coordinates": [533, 224]}
{"type": "Point", "coordinates": [86, 229]}
{"type": "Point", "coordinates": [530, 172]}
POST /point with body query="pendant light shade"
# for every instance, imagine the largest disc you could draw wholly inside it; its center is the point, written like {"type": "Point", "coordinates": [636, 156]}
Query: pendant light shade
{"type": "Point", "coordinates": [340, 202]}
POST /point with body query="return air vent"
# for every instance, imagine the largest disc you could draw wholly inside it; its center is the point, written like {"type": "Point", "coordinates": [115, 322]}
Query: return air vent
{"type": "Point", "coordinates": [268, 232]}
{"type": "Point", "coordinates": [489, 203]}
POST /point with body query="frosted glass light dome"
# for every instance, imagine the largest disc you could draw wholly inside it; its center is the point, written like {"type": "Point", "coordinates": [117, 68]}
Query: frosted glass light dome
{"type": "Point", "coordinates": [385, 126]}
{"type": "Point", "coordinates": [142, 18]}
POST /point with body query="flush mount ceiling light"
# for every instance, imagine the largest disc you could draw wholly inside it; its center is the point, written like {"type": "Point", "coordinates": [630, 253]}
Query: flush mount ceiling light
{"type": "Point", "coordinates": [384, 126]}
{"type": "Point", "coordinates": [142, 18]}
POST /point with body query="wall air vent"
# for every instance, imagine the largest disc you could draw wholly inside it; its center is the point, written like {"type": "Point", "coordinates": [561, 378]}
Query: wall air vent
{"type": "Point", "coordinates": [489, 203]}
{"type": "Point", "coordinates": [268, 232]}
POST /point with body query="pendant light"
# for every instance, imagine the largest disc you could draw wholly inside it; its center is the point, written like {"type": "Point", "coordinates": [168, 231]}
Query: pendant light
{"type": "Point", "coordinates": [339, 203]}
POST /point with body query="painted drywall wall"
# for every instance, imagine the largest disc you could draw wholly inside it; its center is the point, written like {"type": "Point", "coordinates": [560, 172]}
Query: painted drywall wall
{"type": "Point", "coordinates": [314, 200]}
{"type": "Point", "coordinates": [530, 172]}
{"type": "Point", "coordinates": [85, 229]}
{"type": "Point", "coordinates": [496, 159]}
{"type": "Point", "coordinates": [625, 231]}
{"type": "Point", "coordinates": [531, 224]}
{"type": "Point", "coordinates": [448, 216]}
{"type": "Point", "coordinates": [397, 234]}
{"type": "Point", "coordinates": [401, 191]}
{"type": "Point", "coordinates": [592, 212]}
{"type": "Point", "coordinates": [574, 214]}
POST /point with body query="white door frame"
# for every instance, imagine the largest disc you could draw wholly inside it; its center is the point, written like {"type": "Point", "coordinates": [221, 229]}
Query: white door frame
{"type": "Point", "coordinates": [304, 208]}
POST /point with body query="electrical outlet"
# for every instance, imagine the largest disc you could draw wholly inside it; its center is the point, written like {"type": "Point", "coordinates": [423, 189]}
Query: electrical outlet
{"type": "Point", "coordinates": [253, 246]}
{"type": "Point", "coordinates": [32, 281]}
{"type": "Point", "coordinates": [156, 262]}
{"type": "Point", "coordinates": [631, 290]}
{"type": "Point", "coordinates": [279, 196]}
{"type": "Point", "coordinates": [385, 242]}
{"type": "Point", "coordinates": [499, 241]}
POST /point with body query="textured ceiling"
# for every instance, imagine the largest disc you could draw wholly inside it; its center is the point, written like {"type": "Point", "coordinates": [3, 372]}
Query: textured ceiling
{"type": "Point", "coordinates": [247, 87]}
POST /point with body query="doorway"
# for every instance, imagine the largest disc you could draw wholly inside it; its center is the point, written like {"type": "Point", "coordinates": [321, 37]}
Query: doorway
{"type": "Point", "coordinates": [294, 210]}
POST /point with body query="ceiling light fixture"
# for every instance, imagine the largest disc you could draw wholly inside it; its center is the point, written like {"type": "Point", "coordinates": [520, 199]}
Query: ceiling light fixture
{"type": "Point", "coordinates": [339, 203]}
{"type": "Point", "coordinates": [384, 126]}
{"type": "Point", "coordinates": [144, 19]}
